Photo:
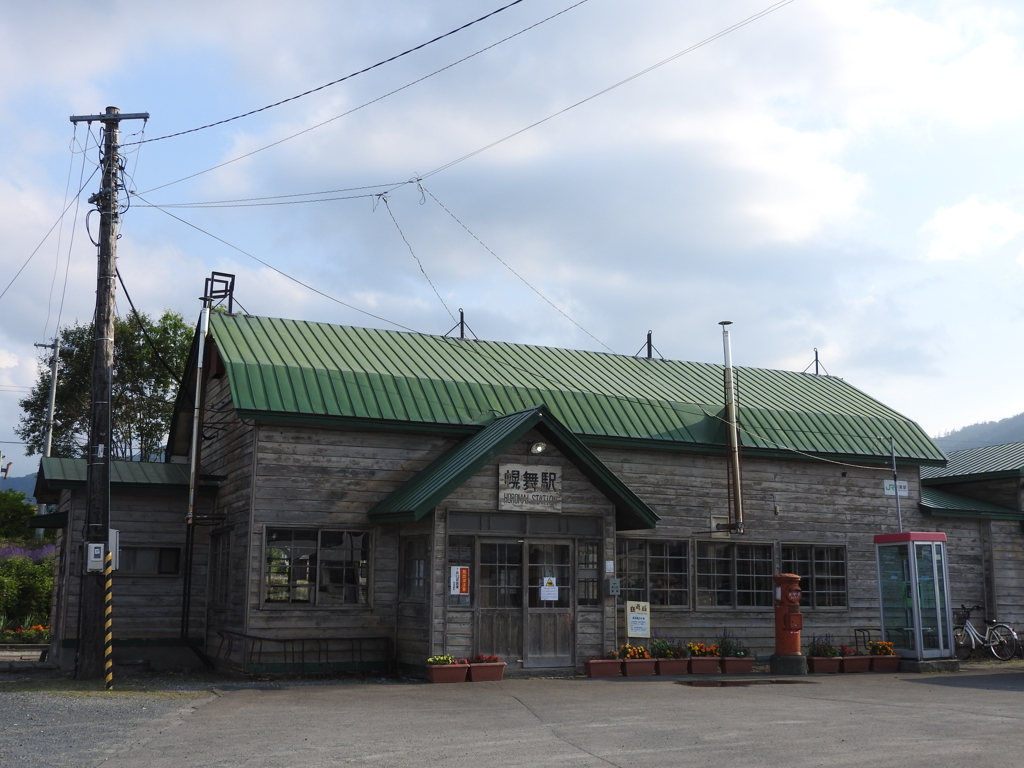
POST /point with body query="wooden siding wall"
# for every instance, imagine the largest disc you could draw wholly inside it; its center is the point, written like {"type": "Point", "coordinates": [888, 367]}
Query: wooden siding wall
{"type": "Point", "coordinates": [453, 628]}
{"type": "Point", "coordinates": [144, 606]}
{"type": "Point", "coordinates": [330, 479]}
{"type": "Point", "coordinates": [229, 454]}
{"type": "Point", "coordinates": [816, 503]}
{"type": "Point", "coordinates": [318, 477]}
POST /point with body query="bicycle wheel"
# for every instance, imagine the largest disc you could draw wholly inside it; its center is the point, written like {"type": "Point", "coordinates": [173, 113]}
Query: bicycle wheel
{"type": "Point", "coordinates": [962, 643]}
{"type": "Point", "coordinates": [1004, 644]}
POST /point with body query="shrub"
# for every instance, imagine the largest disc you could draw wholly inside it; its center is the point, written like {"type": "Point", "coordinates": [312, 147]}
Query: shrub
{"type": "Point", "coordinates": [822, 646]}
{"type": "Point", "coordinates": [667, 649]}
{"type": "Point", "coordinates": [730, 645]}
{"type": "Point", "coordinates": [25, 589]}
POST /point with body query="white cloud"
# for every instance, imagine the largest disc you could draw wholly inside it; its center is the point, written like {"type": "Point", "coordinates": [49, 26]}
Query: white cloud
{"type": "Point", "coordinates": [970, 229]}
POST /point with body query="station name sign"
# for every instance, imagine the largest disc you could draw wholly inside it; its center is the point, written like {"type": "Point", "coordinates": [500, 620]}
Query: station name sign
{"type": "Point", "coordinates": [529, 488]}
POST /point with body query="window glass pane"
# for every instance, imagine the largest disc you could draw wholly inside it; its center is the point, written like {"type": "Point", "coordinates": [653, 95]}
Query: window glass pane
{"type": "Point", "coordinates": [631, 559]}
{"type": "Point", "coordinates": [714, 574]}
{"type": "Point", "coordinates": [587, 573]}
{"type": "Point", "coordinates": [501, 581]}
{"type": "Point", "coordinates": [667, 570]}
{"type": "Point", "coordinates": [830, 577]}
{"type": "Point", "coordinates": [290, 566]}
{"type": "Point", "coordinates": [344, 568]}
{"type": "Point", "coordinates": [754, 575]}
{"type": "Point", "coordinates": [414, 568]}
{"type": "Point", "coordinates": [168, 563]}
{"type": "Point", "coordinates": [550, 561]}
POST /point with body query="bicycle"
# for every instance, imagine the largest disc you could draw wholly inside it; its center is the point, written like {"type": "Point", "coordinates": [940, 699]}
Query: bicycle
{"type": "Point", "coordinates": [1001, 639]}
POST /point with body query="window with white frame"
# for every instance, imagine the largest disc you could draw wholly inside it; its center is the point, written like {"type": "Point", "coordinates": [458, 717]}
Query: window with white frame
{"type": "Point", "coordinates": [307, 566]}
{"type": "Point", "coordinates": [731, 575]}
{"type": "Point", "coordinates": [822, 572]}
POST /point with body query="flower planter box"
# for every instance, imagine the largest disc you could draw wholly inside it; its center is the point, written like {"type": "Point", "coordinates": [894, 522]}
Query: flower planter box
{"type": "Point", "coordinates": [672, 666]}
{"type": "Point", "coordinates": [448, 673]}
{"type": "Point", "coordinates": [855, 664]}
{"type": "Point", "coordinates": [638, 667]}
{"type": "Point", "coordinates": [603, 667]}
{"type": "Point", "coordinates": [737, 665]}
{"type": "Point", "coordinates": [704, 665]}
{"type": "Point", "coordinates": [486, 671]}
{"type": "Point", "coordinates": [823, 664]}
{"type": "Point", "coordinates": [885, 663]}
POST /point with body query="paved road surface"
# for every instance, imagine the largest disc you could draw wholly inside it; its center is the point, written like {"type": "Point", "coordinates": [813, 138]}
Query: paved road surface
{"type": "Point", "coordinates": [971, 718]}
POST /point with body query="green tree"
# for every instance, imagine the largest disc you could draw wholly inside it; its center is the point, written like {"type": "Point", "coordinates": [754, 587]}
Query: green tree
{"type": "Point", "coordinates": [14, 512]}
{"type": "Point", "coordinates": [144, 386]}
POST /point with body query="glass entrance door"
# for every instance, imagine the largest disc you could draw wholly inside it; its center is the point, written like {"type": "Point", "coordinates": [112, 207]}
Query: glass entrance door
{"type": "Point", "coordinates": [500, 601]}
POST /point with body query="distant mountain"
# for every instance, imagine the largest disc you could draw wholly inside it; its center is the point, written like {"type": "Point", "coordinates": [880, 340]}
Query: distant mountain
{"type": "Point", "coordinates": [26, 484]}
{"type": "Point", "coordinates": [1008, 430]}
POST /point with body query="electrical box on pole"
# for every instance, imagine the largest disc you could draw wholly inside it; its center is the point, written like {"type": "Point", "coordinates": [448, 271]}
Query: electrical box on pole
{"type": "Point", "coordinates": [89, 660]}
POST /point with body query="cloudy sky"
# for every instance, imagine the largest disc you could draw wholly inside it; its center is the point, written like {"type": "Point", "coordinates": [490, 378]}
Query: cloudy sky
{"type": "Point", "coordinates": [843, 176]}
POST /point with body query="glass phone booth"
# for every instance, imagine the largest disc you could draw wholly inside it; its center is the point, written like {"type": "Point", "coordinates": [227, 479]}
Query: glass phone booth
{"type": "Point", "coordinates": [913, 591]}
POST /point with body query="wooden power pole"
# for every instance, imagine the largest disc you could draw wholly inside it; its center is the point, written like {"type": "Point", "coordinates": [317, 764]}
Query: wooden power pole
{"type": "Point", "coordinates": [89, 659]}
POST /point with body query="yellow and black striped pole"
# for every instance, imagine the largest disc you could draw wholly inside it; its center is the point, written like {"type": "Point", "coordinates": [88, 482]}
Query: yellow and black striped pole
{"type": "Point", "coordinates": [108, 633]}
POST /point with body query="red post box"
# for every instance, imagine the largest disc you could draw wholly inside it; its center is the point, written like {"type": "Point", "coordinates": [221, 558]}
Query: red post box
{"type": "Point", "coordinates": [788, 619]}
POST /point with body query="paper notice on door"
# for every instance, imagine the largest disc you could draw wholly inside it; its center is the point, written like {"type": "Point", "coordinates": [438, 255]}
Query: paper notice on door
{"type": "Point", "coordinates": [549, 588]}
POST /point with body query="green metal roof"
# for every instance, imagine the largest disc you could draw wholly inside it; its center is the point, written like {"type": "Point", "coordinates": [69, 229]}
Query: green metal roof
{"type": "Point", "coordinates": [436, 482]}
{"type": "Point", "coordinates": [55, 474]}
{"type": "Point", "coordinates": [943, 504]}
{"type": "Point", "coordinates": [989, 461]}
{"type": "Point", "coordinates": [302, 371]}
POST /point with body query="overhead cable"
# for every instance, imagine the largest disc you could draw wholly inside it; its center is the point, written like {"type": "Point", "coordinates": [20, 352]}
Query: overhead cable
{"type": "Point", "coordinates": [510, 269]}
{"type": "Point", "coordinates": [367, 103]}
{"type": "Point", "coordinates": [384, 199]}
{"type": "Point", "coordinates": [47, 235]}
{"type": "Point", "coordinates": [333, 82]}
{"type": "Point", "coordinates": [694, 47]}
{"type": "Point", "coordinates": [278, 271]}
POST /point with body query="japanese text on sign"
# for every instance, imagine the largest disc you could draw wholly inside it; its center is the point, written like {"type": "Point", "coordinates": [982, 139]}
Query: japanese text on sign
{"type": "Point", "coordinates": [901, 486]}
{"type": "Point", "coordinates": [549, 588]}
{"type": "Point", "coordinates": [529, 488]}
{"type": "Point", "coordinates": [638, 619]}
{"type": "Point", "coordinates": [460, 580]}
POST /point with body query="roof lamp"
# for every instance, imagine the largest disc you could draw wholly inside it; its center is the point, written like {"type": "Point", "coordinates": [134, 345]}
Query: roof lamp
{"type": "Point", "coordinates": [538, 448]}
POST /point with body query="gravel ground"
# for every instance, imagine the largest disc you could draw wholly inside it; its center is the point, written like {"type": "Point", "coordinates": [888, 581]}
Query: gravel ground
{"type": "Point", "coordinates": [48, 721]}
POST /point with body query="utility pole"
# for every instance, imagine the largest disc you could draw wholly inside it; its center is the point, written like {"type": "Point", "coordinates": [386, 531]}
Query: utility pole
{"type": "Point", "coordinates": [89, 659]}
{"type": "Point", "coordinates": [41, 509]}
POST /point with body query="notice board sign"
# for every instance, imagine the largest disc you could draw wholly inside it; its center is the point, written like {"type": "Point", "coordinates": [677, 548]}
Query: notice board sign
{"type": "Point", "coordinates": [459, 580]}
{"type": "Point", "coordinates": [638, 619]}
{"type": "Point", "coordinates": [891, 487]}
{"type": "Point", "coordinates": [549, 588]}
{"type": "Point", "coordinates": [529, 488]}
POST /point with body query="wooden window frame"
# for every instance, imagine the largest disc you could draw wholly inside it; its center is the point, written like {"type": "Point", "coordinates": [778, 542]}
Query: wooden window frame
{"type": "Point", "coordinates": [318, 602]}
{"type": "Point", "coordinates": [809, 582]}
{"type": "Point", "coordinates": [414, 587]}
{"type": "Point", "coordinates": [735, 590]}
{"type": "Point", "coordinates": [643, 593]}
{"type": "Point", "coordinates": [160, 572]}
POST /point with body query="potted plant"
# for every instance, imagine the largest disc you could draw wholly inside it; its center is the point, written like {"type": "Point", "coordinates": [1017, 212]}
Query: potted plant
{"type": "Point", "coordinates": [447, 669]}
{"type": "Point", "coordinates": [883, 656]}
{"type": "Point", "coordinates": [604, 666]}
{"type": "Point", "coordinates": [670, 657]}
{"type": "Point", "coordinates": [484, 669]}
{"type": "Point", "coordinates": [852, 660]}
{"type": "Point", "coordinates": [703, 658]}
{"type": "Point", "coordinates": [736, 657]}
{"type": "Point", "coordinates": [636, 661]}
{"type": "Point", "coordinates": [822, 656]}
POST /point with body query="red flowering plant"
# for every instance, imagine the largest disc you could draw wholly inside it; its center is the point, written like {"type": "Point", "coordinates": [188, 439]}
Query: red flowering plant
{"type": "Point", "coordinates": [845, 650]}
{"type": "Point", "coordinates": [481, 659]}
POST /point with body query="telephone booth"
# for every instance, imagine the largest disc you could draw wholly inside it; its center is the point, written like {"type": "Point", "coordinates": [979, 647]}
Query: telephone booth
{"type": "Point", "coordinates": [913, 591]}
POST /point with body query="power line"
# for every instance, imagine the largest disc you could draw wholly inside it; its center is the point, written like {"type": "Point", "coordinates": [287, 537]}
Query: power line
{"type": "Point", "coordinates": [47, 235]}
{"type": "Point", "coordinates": [60, 232]}
{"type": "Point", "coordinates": [510, 269]}
{"type": "Point", "coordinates": [278, 271]}
{"type": "Point", "coordinates": [694, 47]}
{"type": "Point", "coordinates": [333, 82]}
{"type": "Point", "coordinates": [387, 205]}
{"type": "Point", "coordinates": [368, 103]}
{"type": "Point", "coordinates": [145, 333]}
{"type": "Point", "coordinates": [74, 228]}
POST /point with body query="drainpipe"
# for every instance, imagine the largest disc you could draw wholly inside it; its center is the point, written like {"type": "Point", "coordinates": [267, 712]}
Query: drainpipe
{"type": "Point", "coordinates": [736, 520]}
{"type": "Point", "coordinates": [186, 597]}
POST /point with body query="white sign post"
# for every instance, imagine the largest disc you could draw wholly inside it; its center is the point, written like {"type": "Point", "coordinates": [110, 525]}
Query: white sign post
{"type": "Point", "coordinates": [638, 619]}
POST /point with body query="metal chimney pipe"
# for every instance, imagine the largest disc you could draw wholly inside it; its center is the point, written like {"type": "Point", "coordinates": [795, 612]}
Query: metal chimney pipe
{"type": "Point", "coordinates": [736, 521]}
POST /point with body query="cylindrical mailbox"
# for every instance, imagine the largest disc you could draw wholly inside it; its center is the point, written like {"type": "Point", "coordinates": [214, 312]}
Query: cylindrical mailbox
{"type": "Point", "coordinates": [788, 619]}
